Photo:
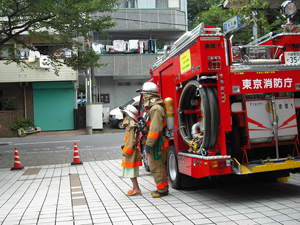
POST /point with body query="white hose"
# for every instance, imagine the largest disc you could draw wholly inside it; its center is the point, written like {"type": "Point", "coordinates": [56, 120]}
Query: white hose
{"type": "Point", "coordinates": [195, 129]}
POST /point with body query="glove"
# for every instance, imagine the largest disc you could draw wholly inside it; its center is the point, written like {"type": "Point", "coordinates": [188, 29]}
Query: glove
{"type": "Point", "coordinates": [148, 149]}
{"type": "Point", "coordinates": [122, 147]}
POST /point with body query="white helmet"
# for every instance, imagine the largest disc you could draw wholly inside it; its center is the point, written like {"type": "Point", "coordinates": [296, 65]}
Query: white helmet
{"type": "Point", "coordinates": [131, 111]}
{"type": "Point", "coordinates": [149, 88]}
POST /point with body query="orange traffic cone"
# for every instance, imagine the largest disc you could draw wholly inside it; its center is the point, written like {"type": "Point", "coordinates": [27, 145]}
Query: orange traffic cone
{"type": "Point", "coordinates": [17, 164]}
{"type": "Point", "coordinates": [76, 160]}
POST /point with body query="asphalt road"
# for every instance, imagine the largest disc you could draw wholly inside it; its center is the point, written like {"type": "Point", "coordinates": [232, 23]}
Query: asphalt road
{"type": "Point", "coordinates": [49, 150]}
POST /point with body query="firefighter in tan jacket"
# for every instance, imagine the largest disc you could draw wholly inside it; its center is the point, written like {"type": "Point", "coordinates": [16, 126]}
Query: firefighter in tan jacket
{"type": "Point", "coordinates": [157, 144]}
{"type": "Point", "coordinates": [131, 159]}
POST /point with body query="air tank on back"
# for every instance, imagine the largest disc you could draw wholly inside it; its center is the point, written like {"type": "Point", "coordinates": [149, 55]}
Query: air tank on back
{"type": "Point", "coordinates": [169, 104]}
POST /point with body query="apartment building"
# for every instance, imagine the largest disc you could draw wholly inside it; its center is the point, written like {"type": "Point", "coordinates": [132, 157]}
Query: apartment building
{"type": "Point", "coordinates": [143, 28]}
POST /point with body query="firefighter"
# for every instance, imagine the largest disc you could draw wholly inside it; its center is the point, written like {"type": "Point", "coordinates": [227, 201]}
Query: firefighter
{"type": "Point", "coordinates": [131, 157]}
{"type": "Point", "coordinates": [157, 144]}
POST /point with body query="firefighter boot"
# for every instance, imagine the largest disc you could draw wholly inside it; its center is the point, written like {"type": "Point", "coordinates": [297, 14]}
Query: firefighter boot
{"type": "Point", "coordinates": [158, 194]}
{"type": "Point", "coordinates": [152, 192]}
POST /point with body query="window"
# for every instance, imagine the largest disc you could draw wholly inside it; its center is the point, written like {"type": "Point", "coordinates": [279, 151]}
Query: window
{"type": "Point", "coordinates": [129, 4]}
{"type": "Point", "coordinates": [146, 3]}
{"type": "Point", "coordinates": [6, 50]}
{"type": "Point", "coordinates": [174, 4]}
{"type": "Point", "coordinates": [168, 4]}
{"type": "Point", "coordinates": [58, 50]}
{"type": "Point", "coordinates": [161, 3]}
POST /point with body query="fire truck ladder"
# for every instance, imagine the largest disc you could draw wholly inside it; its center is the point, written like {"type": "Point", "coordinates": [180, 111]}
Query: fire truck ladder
{"type": "Point", "coordinates": [185, 41]}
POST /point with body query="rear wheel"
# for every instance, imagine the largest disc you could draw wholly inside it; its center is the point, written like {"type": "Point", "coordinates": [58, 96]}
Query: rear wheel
{"type": "Point", "coordinates": [119, 124]}
{"type": "Point", "coordinates": [172, 168]}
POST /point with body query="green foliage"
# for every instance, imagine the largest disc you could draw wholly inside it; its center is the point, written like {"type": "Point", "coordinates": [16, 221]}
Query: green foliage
{"type": "Point", "coordinates": [22, 123]}
{"type": "Point", "coordinates": [259, 12]}
{"type": "Point", "coordinates": [213, 16]}
{"type": "Point", "coordinates": [84, 60]}
{"type": "Point", "coordinates": [160, 43]}
{"type": "Point", "coordinates": [216, 17]}
{"type": "Point", "coordinates": [15, 126]}
{"type": "Point", "coordinates": [58, 23]}
{"type": "Point", "coordinates": [196, 7]}
{"type": "Point", "coordinates": [8, 103]}
{"type": "Point", "coordinates": [253, 12]}
{"type": "Point", "coordinates": [81, 89]}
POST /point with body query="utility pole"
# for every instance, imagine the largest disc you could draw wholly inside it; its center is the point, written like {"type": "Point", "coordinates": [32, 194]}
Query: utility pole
{"type": "Point", "coordinates": [89, 119]}
{"type": "Point", "coordinates": [254, 13]}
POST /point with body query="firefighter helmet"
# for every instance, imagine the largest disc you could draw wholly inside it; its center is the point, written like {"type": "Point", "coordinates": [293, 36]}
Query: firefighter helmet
{"type": "Point", "coordinates": [131, 111]}
{"type": "Point", "coordinates": [149, 88]}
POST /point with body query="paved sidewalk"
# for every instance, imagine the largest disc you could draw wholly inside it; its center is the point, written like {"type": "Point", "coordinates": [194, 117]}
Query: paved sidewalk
{"type": "Point", "coordinates": [95, 193]}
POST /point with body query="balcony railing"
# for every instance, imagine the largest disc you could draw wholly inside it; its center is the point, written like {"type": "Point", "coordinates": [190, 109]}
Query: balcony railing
{"type": "Point", "coordinates": [13, 73]}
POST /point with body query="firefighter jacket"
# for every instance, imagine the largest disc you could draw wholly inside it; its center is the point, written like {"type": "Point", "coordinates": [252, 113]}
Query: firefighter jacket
{"type": "Point", "coordinates": [131, 155]}
{"type": "Point", "coordinates": [157, 115]}
{"type": "Point", "coordinates": [157, 140]}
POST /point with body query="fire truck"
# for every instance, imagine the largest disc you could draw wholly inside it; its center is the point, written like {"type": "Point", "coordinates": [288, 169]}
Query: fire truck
{"type": "Point", "coordinates": [231, 109]}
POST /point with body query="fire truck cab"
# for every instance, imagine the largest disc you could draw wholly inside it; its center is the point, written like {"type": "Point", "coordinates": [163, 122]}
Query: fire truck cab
{"type": "Point", "coordinates": [236, 108]}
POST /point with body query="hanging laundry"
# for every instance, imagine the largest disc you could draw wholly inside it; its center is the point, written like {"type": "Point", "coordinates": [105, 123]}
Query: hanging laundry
{"type": "Point", "coordinates": [141, 43]}
{"type": "Point", "coordinates": [154, 45]}
{"type": "Point", "coordinates": [133, 44]}
{"type": "Point", "coordinates": [96, 48]}
{"type": "Point", "coordinates": [68, 53]}
{"type": "Point", "coordinates": [149, 46]}
{"type": "Point", "coordinates": [119, 45]}
{"type": "Point", "coordinates": [111, 50]}
{"type": "Point", "coordinates": [31, 53]}
{"type": "Point", "coordinates": [37, 54]}
{"type": "Point", "coordinates": [146, 46]}
{"type": "Point", "coordinates": [102, 48]}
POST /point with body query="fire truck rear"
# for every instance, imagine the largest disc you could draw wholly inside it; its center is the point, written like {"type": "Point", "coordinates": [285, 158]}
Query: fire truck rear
{"type": "Point", "coordinates": [236, 108]}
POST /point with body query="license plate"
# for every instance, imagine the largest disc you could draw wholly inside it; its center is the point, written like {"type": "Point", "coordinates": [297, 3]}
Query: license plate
{"type": "Point", "coordinates": [292, 58]}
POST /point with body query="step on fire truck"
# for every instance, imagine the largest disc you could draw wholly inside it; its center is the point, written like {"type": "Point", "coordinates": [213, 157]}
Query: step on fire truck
{"type": "Point", "coordinates": [236, 108]}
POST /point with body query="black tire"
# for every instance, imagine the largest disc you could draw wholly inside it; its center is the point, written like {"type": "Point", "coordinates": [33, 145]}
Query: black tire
{"type": "Point", "coordinates": [172, 169]}
{"type": "Point", "coordinates": [145, 159]}
{"type": "Point", "coordinates": [214, 113]}
{"type": "Point", "coordinates": [119, 124]}
{"type": "Point", "coordinates": [194, 90]}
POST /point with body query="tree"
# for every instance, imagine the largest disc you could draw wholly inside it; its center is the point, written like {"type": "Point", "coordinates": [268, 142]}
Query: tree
{"type": "Point", "coordinates": [57, 22]}
{"type": "Point", "coordinates": [216, 16]}
{"type": "Point", "coordinates": [195, 7]}
{"type": "Point", "coordinates": [259, 12]}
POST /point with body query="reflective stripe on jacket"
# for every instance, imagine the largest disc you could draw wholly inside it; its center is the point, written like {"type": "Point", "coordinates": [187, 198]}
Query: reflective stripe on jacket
{"type": "Point", "coordinates": [133, 157]}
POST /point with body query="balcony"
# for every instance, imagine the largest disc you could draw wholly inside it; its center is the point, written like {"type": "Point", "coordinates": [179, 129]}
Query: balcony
{"type": "Point", "coordinates": [126, 65]}
{"type": "Point", "coordinates": [12, 73]}
{"type": "Point", "coordinates": [136, 23]}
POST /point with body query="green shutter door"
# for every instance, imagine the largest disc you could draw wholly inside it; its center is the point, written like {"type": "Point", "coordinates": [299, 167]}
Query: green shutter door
{"type": "Point", "coordinates": [53, 105]}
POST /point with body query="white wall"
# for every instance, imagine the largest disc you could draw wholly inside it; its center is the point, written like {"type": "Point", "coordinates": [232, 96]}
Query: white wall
{"type": "Point", "coordinates": [13, 73]}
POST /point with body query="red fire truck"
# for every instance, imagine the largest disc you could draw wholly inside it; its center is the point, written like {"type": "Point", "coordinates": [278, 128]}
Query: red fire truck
{"type": "Point", "coordinates": [236, 108]}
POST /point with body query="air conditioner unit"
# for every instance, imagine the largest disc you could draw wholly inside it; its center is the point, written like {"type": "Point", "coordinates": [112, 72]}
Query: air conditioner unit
{"type": "Point", "coordinates": [45, 61]}
{"type": "Point", "coordinates": [105, 114]}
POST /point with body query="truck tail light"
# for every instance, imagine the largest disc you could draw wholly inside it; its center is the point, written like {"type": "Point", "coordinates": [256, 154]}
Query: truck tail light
{"type": "Point", "coordinates": [214, 62]}
{"type": "Point", "coordinates": [220, 163]}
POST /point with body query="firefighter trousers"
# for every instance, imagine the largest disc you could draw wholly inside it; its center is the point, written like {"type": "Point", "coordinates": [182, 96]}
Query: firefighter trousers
{"type": "Point", "coordinates": [159, 170]}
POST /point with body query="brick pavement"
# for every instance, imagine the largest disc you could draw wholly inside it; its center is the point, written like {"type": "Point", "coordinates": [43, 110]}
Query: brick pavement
{"type": "Point", "coordinates": [95, 193]}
